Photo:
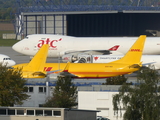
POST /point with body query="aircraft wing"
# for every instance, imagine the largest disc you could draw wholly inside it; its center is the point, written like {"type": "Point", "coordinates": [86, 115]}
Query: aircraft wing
{"type": "Point", "coordinates": [107, 51]}
{"type": "Point", "coordinates": [148, 63]}
{"type": "Point", "coordinates": [61, 73]}
{"type": "Point", "coordinates": [67, 74]}
{"type": "Point", "coordinates": [96, 52]}
{"type": "Point", "coordinates": [51, 72]}
{"type": "Point", "coordinates": [87, 51]}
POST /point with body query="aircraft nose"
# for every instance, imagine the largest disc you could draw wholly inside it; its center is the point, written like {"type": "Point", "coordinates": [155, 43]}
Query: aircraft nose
{"type": "Point", "coordinates": [11, 63]}
{"type": "Point", "coordinates": [16, 47]}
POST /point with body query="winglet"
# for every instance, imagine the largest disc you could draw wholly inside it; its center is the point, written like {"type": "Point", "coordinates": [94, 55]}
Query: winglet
{"type": "Point", "coordinates": [66, 67]}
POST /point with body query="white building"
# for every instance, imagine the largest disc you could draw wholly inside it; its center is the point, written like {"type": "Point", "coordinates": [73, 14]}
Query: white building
{"type": "Point", "coordinates": [91, 95]}
{"type": "Point", "coordinates": [98, 100]}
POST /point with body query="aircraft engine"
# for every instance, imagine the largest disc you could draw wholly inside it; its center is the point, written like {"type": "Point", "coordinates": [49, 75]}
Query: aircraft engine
{"type": "Point", "coordinates": [69, 58]}
{"type": "Point", "coordinates": [77, 58]}
{"type": "Point", "coordinates": [82, 60]}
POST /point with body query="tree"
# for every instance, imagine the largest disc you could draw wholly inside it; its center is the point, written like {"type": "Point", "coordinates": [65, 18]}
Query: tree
{"type": "Point", "coordinates": [117, 80]}
{"type": "Point", "coordinates": [141, 101]}
{"type": "Point", "coordinates": [64, 95]}
{"type": "Point", "coordinates": [12, 87]}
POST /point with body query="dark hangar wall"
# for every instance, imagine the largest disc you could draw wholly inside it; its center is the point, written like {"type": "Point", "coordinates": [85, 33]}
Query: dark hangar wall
{"type": "Point", "coordinates": [114, 24]}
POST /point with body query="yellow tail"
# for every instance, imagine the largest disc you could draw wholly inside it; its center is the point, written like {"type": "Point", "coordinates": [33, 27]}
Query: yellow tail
{"type": "Point", "coordinates": [133, 56]}
{"type": "Point", "coordinates": [38, 61]}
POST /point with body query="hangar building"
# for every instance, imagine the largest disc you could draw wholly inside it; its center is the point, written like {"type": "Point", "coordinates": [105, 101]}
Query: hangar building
{"type": "Point", "coordinates": [88, 17]}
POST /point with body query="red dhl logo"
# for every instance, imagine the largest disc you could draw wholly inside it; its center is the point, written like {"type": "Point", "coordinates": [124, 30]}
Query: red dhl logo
{"type": "Point", "coordinates": [47, 68]}
{"type": "Point", "coordinates": [135, 50]}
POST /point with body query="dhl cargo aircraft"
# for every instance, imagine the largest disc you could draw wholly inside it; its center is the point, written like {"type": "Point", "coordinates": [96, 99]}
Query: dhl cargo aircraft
{"type": "Point", "coordinates": [151, 61]}
{"type": "Point", "coordinates": [38, 68]}
{"type": "Point", "coordinates": [72, 46]}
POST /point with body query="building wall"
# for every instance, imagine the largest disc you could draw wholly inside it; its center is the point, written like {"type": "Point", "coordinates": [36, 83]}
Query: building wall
{"type": "Point", "coordinates": [95, 24]}
{"type": "Point", "coordinates": [32, 113]}
{"type": "Point", "coordinates": [38, 95]}
{"type": "Point", "coordinates": [112, 24]}
{"type": "Point", "coordinates": [98, 100]}
{"type": "Point", "coordinates": [29, 118]}
{"type": "Point", "coordinates": [39, 24]}
{"type": "Point", "coordinates": [79, 115]}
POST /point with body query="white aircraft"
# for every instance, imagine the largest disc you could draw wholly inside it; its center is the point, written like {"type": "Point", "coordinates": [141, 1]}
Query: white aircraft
{"type": "Point", "coordinates": [6, 60]}
{"type": "Point", "coordinates": [148, 60]}
{"type": "Point", "coordinates": [61, 45]}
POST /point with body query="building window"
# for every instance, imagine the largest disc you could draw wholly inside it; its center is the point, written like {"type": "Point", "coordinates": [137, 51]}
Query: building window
{"type": "Point", "coordinates": [30, 89]}
{"type": "Point", "coordinates": [39, 112]}
{"type": "Point", "coordinates": [11, 112]}
{"type": "Point", "coordinates": [2, 111]}
{"type": "Point", "coordinates": [30, 112]}
{"type": "Point", "coordinates": [47, 112]}
{"type": "Point", "coordinates": [57, 113]}
{"type": "Point", "coordinates": [20, 112]}
{"type": "Point", "coordinates": [42, 89]}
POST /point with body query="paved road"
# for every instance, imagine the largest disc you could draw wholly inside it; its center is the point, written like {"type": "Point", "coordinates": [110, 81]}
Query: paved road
{"type": "Point", "coordinates": [20, 58]}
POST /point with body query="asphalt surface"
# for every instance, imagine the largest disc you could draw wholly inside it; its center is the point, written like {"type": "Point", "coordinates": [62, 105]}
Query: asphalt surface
{"type": "Point", "coordinates": [20, 58]}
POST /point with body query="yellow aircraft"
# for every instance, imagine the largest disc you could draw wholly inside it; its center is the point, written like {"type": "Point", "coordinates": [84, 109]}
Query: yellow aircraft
{"type": "Point", "coordinates": [38, 68]}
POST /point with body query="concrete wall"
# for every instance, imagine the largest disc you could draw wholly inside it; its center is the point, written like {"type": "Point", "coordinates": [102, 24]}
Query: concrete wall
{"type": "Point", "coordinates": [9, 36]}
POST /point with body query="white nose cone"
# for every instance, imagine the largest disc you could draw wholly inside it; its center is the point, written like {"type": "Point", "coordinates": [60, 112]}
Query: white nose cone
{"type": "Point", "coordinates": [17, 47]}
{"type": "Point", "coordinates": [9, 63]}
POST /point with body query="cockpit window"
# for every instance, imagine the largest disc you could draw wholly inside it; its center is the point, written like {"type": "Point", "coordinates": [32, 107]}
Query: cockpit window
{"type": "Point", "coordinates": [6, 58]}
{"type": "Point", "coordinates": [26, 37]}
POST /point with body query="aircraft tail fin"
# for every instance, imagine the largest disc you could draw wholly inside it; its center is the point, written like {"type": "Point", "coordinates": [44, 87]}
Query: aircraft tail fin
{"type": "Point", "coordinates": [38, 61]}
{"type": "Point", "coordinates": [135, 52]}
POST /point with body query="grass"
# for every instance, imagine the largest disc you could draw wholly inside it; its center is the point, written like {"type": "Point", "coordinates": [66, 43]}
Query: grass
{"type": "Point", "coordinates": [7, 42]}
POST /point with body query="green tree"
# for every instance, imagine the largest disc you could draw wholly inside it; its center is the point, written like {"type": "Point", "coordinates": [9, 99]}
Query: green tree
{"type": "Point", "coordinates": [117, 80]}
{"type": "Point", "coordinates": [141, 101]}
{"type": "Point", "coordinates": [12, 87]}
{"type": "Point", "coordinates": [64, 94]}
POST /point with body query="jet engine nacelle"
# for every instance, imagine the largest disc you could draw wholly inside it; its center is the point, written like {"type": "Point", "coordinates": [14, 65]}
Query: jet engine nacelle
{"type": "Point", "coordinates": [80, 58]}
{"type": "Point", "coordinates": [69, 58]}
{"type": "Point", "coordinates": [84, 58]}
